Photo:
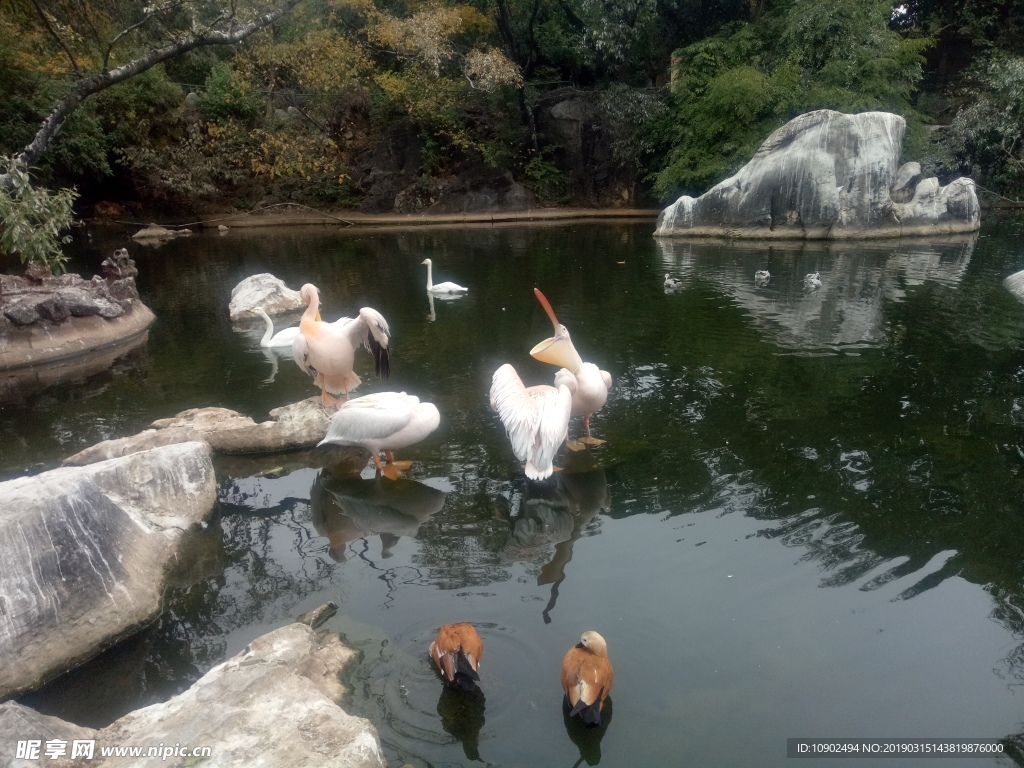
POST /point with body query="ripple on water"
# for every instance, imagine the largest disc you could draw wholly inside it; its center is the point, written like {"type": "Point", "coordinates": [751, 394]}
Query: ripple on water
{"type": "Point", "coordinates": [417, 717]}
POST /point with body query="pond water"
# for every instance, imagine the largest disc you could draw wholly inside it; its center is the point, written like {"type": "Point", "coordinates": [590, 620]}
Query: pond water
{"type": "Point", "coordinates": [807, 519]}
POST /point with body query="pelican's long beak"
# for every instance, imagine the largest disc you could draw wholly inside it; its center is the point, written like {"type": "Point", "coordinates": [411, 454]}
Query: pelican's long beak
{"type": "Point", "coordinates": [558, 350]}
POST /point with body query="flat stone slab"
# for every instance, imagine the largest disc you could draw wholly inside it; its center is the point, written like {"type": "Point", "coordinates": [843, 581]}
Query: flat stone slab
{"type": "Point", "coordinates": [291, 427]}
{"type": "Point", "coordinates": [84, 553]}
{"type": "Point", "coordinates": [274, 705]}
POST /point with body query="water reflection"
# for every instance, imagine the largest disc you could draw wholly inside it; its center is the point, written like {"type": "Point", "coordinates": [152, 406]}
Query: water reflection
{"type": "Point", "coordinates": [844, 307]}
{"type": "Point", "coordinates": [345, 509]}
{"type": "Point", "coordinates": [442, 297]}
{"type": "Point", "coordinates": [462, 716]}
{"type": "Point", "coordinates": [587, 738]}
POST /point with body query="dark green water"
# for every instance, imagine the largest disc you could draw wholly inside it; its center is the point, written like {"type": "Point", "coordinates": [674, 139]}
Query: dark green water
{"type": "Point", "coordinates": [807, 519]}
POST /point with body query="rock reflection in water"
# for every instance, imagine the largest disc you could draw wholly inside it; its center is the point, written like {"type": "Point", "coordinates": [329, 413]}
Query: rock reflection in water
{"type": "Point", "coordinates": [551, 517]}
{"type": "Point", "coordinates": [857, 280]}
{"type": "Point", "coordinates": [345, 509]}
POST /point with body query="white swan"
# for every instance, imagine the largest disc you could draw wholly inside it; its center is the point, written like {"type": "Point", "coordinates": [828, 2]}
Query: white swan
{"type": "Point", "coordinates": [762, 276]}
{"type": "Point", "coordinates": [445, 287]}
{"type": "Point", "coordinates": [672, 283]}
{"type": "Point", "coordinates": [535, 418]}
{"type": "Point", "coordinates": [812, 281]}
{"type": "Point", "coordinates": [281, 338]}
{"type": "Point", "coordinates": [383, 421]}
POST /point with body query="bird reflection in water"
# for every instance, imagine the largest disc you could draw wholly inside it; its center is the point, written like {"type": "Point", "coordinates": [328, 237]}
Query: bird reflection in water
{"type": "Point", "coordinates": [557, 514]}
{"type": "Point", "coordinates": [462, 716]}
{"type": "Point", "coordinates": [345, 509]}
{"type": "Point", "coordinates": [432, 316]}
{"type": "Point", "coordinates": [587, 738]}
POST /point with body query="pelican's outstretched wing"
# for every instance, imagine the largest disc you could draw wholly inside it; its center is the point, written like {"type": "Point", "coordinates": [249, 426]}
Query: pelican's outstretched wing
{"type": "Point", "coordinates": [514, 407]}
{"type": "Point", "coordinates": [300, 352]}
{"type": "Point", "coordinates": [370, 330]}
{"type": "Point", "coordinates": [536, 419]}
{"type": "Point", "coordinates": [373, 417]}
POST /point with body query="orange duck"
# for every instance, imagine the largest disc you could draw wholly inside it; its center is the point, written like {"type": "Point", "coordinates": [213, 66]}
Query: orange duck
{"type": "Point", "coordinates": [457, 651]}
{"type": "Point", "coordinates": [587, 677]}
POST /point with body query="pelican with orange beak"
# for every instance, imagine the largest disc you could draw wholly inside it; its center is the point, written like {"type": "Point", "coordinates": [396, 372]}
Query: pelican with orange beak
{"type": "Point", "coordinates": [592, 384]}
{"type": "Point", "coordinates": [587, 677]}
{"type": "Point", "coordinates": [326, 350]}
{"type": "Point", "coordinates": [457, 652]}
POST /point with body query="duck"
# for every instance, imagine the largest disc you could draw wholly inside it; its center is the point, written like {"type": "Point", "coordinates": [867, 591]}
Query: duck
{"type": "Point", "coordinates": [591, 383]}
{"type": "Point", "coordinates": [445, 287]}
{"type": "Point", "coordinates": [457, 651]}
{"type": "Point", "coordinates": [383, 421]}
{"type": "Point", "coordinates": [812, 281]}
{"type": "Point", "coordinates": [281, 338]}
{"type": "Point", "coordinates": [672, 283]}
{"type": "Point", "coordinates": [326, 350]}
{"type": "Point", "coordinates": [536, 418]}
{"type": "Point", "coordinates": [587, 677]}
{"type": "Point", "coordinates": [762, 276]}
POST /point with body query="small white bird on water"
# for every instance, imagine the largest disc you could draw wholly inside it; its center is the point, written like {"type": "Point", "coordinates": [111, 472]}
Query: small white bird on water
{"type": "Point", "coordinates": [383, 421]}
{"type": "Point", "coordinates": [672, 283]}
{"type": "Point", "coordinates": [445, 287]}
{"type": "Point", "coordinates": [762, 276]}
{"type": "Point", "coordinates": [812, 281]}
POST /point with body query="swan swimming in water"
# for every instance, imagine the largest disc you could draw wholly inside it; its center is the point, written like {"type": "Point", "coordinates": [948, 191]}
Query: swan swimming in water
{"type": "Point", "coordinates": [445, 287]}
{"type": "Point", "coordinates": [672, 283]}
{"type": "Point", "coordinates": [281, 338]}
{"type": "Point", "coordinates": [762, 276]}
{"type": "Point", "coordinates": [812, 281]}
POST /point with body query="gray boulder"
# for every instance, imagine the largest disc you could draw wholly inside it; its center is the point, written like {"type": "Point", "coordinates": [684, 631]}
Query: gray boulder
{"type": "Point", "coordinates": [84, 553]}
{"type": "Point", "coordinates": [263, 290]}
{"type": "Point", "coordinates": [274, 705]}
{"type": "Point", "coordinates": [1015, 285]}
{"type": "Point", "coordinates": [827, 175]}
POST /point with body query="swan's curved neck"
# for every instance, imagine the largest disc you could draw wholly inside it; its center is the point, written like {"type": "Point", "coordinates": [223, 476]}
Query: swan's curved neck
{"type": "Point", "coordinates": [270, 328]}
{"type": "Point", "coordinates": [430, 276]}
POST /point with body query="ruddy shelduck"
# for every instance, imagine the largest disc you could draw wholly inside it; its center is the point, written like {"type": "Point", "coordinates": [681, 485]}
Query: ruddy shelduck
{"type": "Point", "coordinates": [457, 651]}
{"type": "Point", "coordinates": [587, 677]}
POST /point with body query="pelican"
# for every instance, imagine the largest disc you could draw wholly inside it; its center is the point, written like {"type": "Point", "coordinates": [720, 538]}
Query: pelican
{"type": "Point", "coordinates": [457, 651]}
{"type": "Point", "coordinates": [326, 350]}
{"type": "Point", "coordinates": [672, 283]}
{"type": "Point", "coordinates": [762, 276]}
{"type": "Point", "coordinates": [281, 338]}
{"type": "Point", "coordinates": [587, 677]}
{"type": "Point", "coordinates": [592, 384]}
{"type": "Point", "coordinates": [535, 418]}
{"type": "Point", "coordinates": [812, 281]}
{"type": "Point", "coordinates": [445, 287]}
{"type": "Point", "coordinates": [383, 421]}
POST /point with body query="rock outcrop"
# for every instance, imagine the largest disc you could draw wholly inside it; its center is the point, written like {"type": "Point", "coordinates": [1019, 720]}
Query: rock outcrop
{"type": "Point", "coordinates": [827, 175]}
{"type": "Point", "coordinates": [84, 553]}
{"type": "Point", "coordinates": [1015, 285]}
{"type": "Point", "coordinates": [299, 425]}
{"type": "Point", "coordinates": [45, 319]}
{"type": "Point", "coordinates": [263, 290]}
{"type": "Point", "coordinates": [274, 705]}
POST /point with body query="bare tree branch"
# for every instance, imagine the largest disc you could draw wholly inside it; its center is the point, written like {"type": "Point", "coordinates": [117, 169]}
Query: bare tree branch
{"type": "Point", "coordinates": [58, 38]}
{"type": "Point", "coordinates": [88, 86]}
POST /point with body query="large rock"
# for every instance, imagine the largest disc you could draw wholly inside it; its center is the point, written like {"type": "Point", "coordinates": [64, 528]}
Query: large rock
{"type": "Point", "coordinates": [263, 290]}
{"type": "Point", "coordinates": [84, 551]}
{"type": "Point", "coordinates": [291, 427]}
{"type": "Point", "coordinates": [482, 189]}
{"type": "Point", "coordinates": [1015, 285]}
{"type": "Point", "coordinates": [274, 705]}
{"type": "Point", "coordinates": [827, 175]}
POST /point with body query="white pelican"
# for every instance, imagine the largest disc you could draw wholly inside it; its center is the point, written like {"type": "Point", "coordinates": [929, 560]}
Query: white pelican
{"type": "Point", "coordinates": [326, 350]}
{"type": "Point", "coordinates": [445, 287]}
{"type": "Point", "coordinates": [672, 283]}
{"type": "Point", "coordinates": [281, 338]}
{"type": "Point", "coordinates": [812, 281]}
{"type": "Point", "coordinates": [383, 421]}
{"type": "Point", "coordinates": [587, 677]}
{"type": "Point", "coordinates": [592, 384]}
{"type": "Point", "coordinates": [762, 276]}
{"type": "Point", "coordinates": [535, 418]}
{"type": "Point", "coordinates": [457, 651]}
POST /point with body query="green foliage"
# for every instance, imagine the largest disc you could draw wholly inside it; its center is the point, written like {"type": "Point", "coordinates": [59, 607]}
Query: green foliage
{"type": "Point", "coordinates": [227, 97]}
{"type": "Point", "coordinates": [987, 135]}
{"type": "Point", "coordinates": [546, 179]}
{"type": "Point", "coordinates": [734, 89]}
{"type": "Point", "coordinates": [32, 219]}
